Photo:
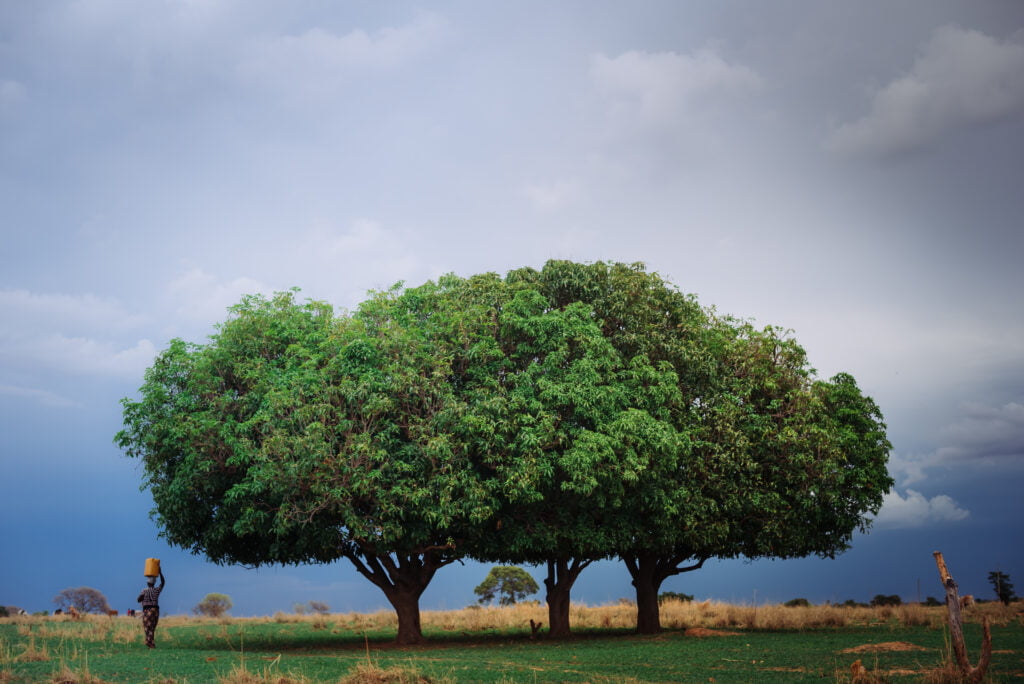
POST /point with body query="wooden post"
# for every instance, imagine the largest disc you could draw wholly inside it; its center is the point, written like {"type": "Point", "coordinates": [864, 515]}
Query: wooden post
{"type": "Point", "coordinates": [956, 632]}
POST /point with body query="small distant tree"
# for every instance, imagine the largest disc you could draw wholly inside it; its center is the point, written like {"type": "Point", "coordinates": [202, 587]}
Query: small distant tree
{"type": "Point", "coordinates": [82, 599]}
{"type": "Point", "coordinates": [933, 602]}
{"type": "Point", "coordinates": [319, 607]}
{"type": "Point", "coordinates": [1000, 582]}
{"type": "Point", "coordinates": [213, 605]}
{"type": "Point", "coordinates": [511, 582]}
{"type": "Point", "coordinates": [797, 603]}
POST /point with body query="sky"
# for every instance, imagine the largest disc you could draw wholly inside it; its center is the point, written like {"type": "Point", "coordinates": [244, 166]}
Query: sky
{"type": "Point", "coordinates": [851, 171]}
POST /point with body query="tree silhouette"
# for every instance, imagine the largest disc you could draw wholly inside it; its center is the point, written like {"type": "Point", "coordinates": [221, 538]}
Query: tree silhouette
{"type": "Point", "coordinates": [1000, 582]}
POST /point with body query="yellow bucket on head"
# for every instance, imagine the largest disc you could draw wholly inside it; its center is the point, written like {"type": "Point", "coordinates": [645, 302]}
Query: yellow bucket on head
{"type": "Point", "coordinates": [152, 567]}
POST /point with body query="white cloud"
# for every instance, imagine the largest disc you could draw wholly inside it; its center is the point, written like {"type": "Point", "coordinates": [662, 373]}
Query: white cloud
{"type": "Point", "coordinates": [70, 334]}
{"type": "Point", "coordinates": [362, 254]}
{"type": "Point", "coordinates": [658, 87]}
{"type": "Point", "coordinates": [198, 296]}
{"type": "Point", "coordinates": [25, 310]}
{"type": "Point", "coordinates": [916, 510]}
{"type": "Point", "coordinates": [318, 59]}
{"type": "Point", "coordinates": [962, 78]}
{"type": "Point", "coordinates": [35, 396]}
{"type": "Point", "coordinates": [549, 196]}
{"type": "Point", "coordinates": [82, 355]}
{"type": "Point", "coordinates": [70, 355]}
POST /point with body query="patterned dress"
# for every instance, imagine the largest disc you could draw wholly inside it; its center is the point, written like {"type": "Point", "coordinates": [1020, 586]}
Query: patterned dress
{"type": "Point", "coordinates": [150, 600]}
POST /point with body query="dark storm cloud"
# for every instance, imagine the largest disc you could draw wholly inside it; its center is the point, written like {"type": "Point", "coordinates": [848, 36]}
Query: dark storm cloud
{"type": "Point", "coordinates": [158, 162]}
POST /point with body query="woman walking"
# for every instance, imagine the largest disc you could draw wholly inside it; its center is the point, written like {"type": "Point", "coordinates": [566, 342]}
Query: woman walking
{"type": "Point", "coordinates": [150, 600]}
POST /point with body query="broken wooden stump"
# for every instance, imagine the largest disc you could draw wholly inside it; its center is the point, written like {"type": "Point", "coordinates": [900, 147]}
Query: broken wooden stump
{"type": "Point", "coordinates": [956, 631]}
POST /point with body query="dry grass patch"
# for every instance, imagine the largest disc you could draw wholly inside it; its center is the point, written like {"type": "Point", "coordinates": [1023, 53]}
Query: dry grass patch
{"type": "Point", "coordinates": [885, 647]}
{"type": "Point", "coordinates": [66, 675]}
{"type": "Point", "coordinates": [368, 673]}
{"type": "Point", "coordinates": [240, 674]}
{"type": "Point", "coordinates": [32, 653]}
{"type": "Point", "coordinates": [701, 633]}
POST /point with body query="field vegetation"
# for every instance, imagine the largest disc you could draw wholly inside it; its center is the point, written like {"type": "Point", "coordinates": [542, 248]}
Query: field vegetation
{"type": "Point", "coordinates": [702, 642]}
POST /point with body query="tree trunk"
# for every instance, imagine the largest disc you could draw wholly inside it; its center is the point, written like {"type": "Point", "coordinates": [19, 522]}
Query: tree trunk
{"type": "Point", "coordinates": [403, 579]}
{"type": "Point", "coordinates": [562, 574]}
{"type": "Point", "coordinates": [407, 607]}
{"type": "Point", "coordinates": [649, 571]}
{"type": "Point", "coordinates": [558, 611]}
{"type": "Point", "coordinates": [647, 582]}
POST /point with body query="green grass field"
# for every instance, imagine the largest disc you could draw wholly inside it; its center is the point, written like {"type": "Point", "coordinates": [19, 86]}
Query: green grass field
{"type": "Point", "coordinates": [490, 647]}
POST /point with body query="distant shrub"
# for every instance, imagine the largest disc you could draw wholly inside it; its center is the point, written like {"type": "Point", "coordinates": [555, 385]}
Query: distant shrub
{"type": "Point", "coordinates": [213, 605]}
{"type": "Point", "coordinates": [674, 596]}
{"type": "Point", "coordinates": [3, 612]}
{"type": "Point", "coordinates": [933, 602]}
{"type": "Point", "coordinates": [882, 600]}
{"type": "Point", "coordinates": [319, 607]}
{"type": "Point", "coordinates": [797, 603]}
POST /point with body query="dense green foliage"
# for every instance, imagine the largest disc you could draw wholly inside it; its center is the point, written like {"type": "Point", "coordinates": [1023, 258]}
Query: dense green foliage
{"type": "Point", "coordinates": [559, 416]}
{"type": "Point", "coordinates": [509, 583]}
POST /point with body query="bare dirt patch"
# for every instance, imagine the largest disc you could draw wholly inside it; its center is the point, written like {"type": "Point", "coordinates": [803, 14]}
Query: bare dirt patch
{"type": "Point", "coordinates": [702, 633]}
{"type": "Point", "coordinates": [884, 647]}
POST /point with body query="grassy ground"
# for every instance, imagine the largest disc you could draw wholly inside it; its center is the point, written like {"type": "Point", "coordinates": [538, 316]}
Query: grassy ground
{"type": "Point", "coordinates": [703, 642]}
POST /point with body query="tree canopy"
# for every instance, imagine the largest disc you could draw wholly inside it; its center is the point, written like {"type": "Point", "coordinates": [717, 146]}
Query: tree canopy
{"type": "Point", "coordinates": [553, 416]}
{"type": "Point", "coordinates": [213, 605]}
{"type": "Point", "coordinates": [508, 583]}
{"type": "Point", "coordinates": [82, 599]}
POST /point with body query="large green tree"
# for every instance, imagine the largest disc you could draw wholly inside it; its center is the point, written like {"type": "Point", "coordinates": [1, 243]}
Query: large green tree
{"type": "Point", "coordinates": [297, 436]}
{"type": "Point", "coordinates": [714, 440]}
{"type": "Point", "coordinates": [557, 417]}
{"type": "Point", "coordinates": [777, 464]}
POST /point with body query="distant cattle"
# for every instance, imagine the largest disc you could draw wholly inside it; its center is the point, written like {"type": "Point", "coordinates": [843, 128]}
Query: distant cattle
{"type": "Point", "coordinates": [967, 600]}
{"type": "Point", "coordinates": [73, 612]}
{"type": "Point", "coordinates": [111, 612]}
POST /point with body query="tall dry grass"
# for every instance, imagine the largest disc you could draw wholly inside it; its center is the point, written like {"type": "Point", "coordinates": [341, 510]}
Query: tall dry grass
{"type": "Point", "coordinates": [622, 614]}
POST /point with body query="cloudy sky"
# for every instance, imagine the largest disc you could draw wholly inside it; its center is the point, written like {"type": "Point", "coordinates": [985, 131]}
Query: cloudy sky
{"type": "Point", "coordinates": [849, 170]}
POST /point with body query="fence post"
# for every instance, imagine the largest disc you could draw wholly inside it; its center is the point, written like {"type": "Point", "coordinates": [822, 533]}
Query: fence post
{"type": "Point", "coordinates": [956, 632]}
